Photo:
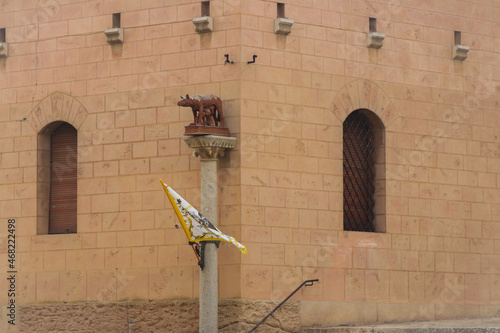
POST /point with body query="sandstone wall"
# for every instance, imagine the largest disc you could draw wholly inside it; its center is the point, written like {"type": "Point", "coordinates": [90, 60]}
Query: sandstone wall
{"type": "Point", "coordinates": [439, 254]}
{"type": "Point", "coordinates": [122, 99]}
{"type": "Point", "coordinates": [281, 188]}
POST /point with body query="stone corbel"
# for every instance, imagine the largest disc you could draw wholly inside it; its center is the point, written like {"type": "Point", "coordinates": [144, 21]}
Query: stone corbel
{"type": "Point", "coordinates": [460, 52]}
{"type": "Point", "coordinates": [375, 39]}
{"type": "Point", "coordinates": [203, 24]}
{"type": "Point", "coordinates": [282, 26]}
{"type": "Point", "coordinates": [114, 35]}
{"type": "Point", "coordinates": [4, 50]}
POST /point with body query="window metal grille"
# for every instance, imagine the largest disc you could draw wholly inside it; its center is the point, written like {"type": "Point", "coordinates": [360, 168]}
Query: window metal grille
{"type": "Point", "coordinates": [359, 173]}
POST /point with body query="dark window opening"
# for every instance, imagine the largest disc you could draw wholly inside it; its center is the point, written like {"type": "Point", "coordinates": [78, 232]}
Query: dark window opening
{"type": "Point", "coordinates": [458, 38]}
{"type": "Point", "coordinates": [373, 24]}
{"type": "Point", "coordinates": [63, 180]}
{"type": "Point", "coordinates": [117, 20]}
{"type": "Point", "coordinates": [205, 8]}
{"type": "Point", "coordinates": [359, 173]}
{"type": "Point", "coordinates": [2, 35]}
{"type": "Point", "coordinates": [281, 10]}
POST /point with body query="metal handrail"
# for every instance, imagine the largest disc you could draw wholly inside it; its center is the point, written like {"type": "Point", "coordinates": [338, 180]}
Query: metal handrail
{"type": "Point", "coordinates": [306, 283]}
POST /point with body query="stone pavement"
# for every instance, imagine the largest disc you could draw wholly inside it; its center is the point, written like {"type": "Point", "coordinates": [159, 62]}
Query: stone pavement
{"type": "Point", "coordinates": [482, 325]}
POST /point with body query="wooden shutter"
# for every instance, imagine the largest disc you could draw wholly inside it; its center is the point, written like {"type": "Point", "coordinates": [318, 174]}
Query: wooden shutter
{"type": "Point", "coordinates": [63, 176]}
{"type": "Point", "coordinates": [359, 173]}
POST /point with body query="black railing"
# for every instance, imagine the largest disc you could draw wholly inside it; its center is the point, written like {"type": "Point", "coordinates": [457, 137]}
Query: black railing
{"type": "Point", "coordinates": [306, 283]}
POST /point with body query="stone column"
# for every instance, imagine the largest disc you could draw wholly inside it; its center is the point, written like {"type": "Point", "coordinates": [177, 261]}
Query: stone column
{"type": "Point", "coordinates": [209, 148]}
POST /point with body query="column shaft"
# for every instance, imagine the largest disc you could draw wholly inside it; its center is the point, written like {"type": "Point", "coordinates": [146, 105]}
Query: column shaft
{"type": "Point", "coordinates": [209, 292]}
{"type": "Point", "coordinates": [209, 148]}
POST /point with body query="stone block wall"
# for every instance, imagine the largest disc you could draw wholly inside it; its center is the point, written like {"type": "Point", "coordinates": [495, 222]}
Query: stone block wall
{"type": "Point", "coordinates": [122, 100]}
{"type": "Point", "coordinates": [164, 316]}
{"type": "Point", "coordinates": [438, 257]}
{"type": "Point", "coordinates": [280, 189]}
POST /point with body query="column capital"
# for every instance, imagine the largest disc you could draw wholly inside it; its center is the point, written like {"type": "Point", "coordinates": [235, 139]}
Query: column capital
{"type": "Point", "coordinates": [210, 146]}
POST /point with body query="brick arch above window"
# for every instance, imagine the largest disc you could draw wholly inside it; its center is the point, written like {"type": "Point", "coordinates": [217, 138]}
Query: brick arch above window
{"type": "Point", "coordinates": [46, 117]}
{"type": "Point", "coordinates": [364, 94]}
{"type": "Point", "coordinates": [57, 107]}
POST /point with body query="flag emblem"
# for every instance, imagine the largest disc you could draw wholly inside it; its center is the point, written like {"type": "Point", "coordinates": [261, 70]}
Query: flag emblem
{"type": "Point", "coordinates": [195, 225]}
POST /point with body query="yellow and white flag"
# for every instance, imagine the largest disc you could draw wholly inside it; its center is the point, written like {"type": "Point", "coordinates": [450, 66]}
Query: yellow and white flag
{"type": "Point", "coordinates": [195, 225]}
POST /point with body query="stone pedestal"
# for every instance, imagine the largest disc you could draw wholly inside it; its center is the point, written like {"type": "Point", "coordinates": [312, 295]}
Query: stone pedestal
{"type": "Point", "coordinates": [4, 50]}
{"type": "Point", "coordinates": [114, 36]}
{"type": "Point", "coordinates": [195, 130]}
{"type": "Point", "coordinates": [282, 26]}
{"type": "Point", "coordinates": [375, 40]}
{"type": "Point", "coordinates": [460, 52]}
{"type": "Point", "coordinates": [209, 148]}
{"type": "Point", "coordinates": [203, 24]}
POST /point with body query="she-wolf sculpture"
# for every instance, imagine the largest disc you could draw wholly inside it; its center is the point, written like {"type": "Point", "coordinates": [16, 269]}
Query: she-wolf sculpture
{"type": "Point", "coordinates": [207, 109]}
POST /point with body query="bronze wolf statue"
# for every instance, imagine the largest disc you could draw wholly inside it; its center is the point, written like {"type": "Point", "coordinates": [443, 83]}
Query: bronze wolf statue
{"type": "Point", "coordinates": [204, 107]}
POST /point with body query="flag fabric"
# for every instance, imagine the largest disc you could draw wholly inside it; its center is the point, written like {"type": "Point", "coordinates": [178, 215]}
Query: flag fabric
{"type": "Point", "coordinates": [195, 225]}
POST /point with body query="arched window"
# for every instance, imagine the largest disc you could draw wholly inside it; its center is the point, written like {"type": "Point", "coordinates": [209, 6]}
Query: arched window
{"type": "Point", "coordinates": [364, 172]}
{"type": "Point", "coordinates": [57, 179]}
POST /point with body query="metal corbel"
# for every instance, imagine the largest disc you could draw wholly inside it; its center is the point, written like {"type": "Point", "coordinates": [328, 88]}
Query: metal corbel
{"type": "Point", "coordinates": [199, 251]}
